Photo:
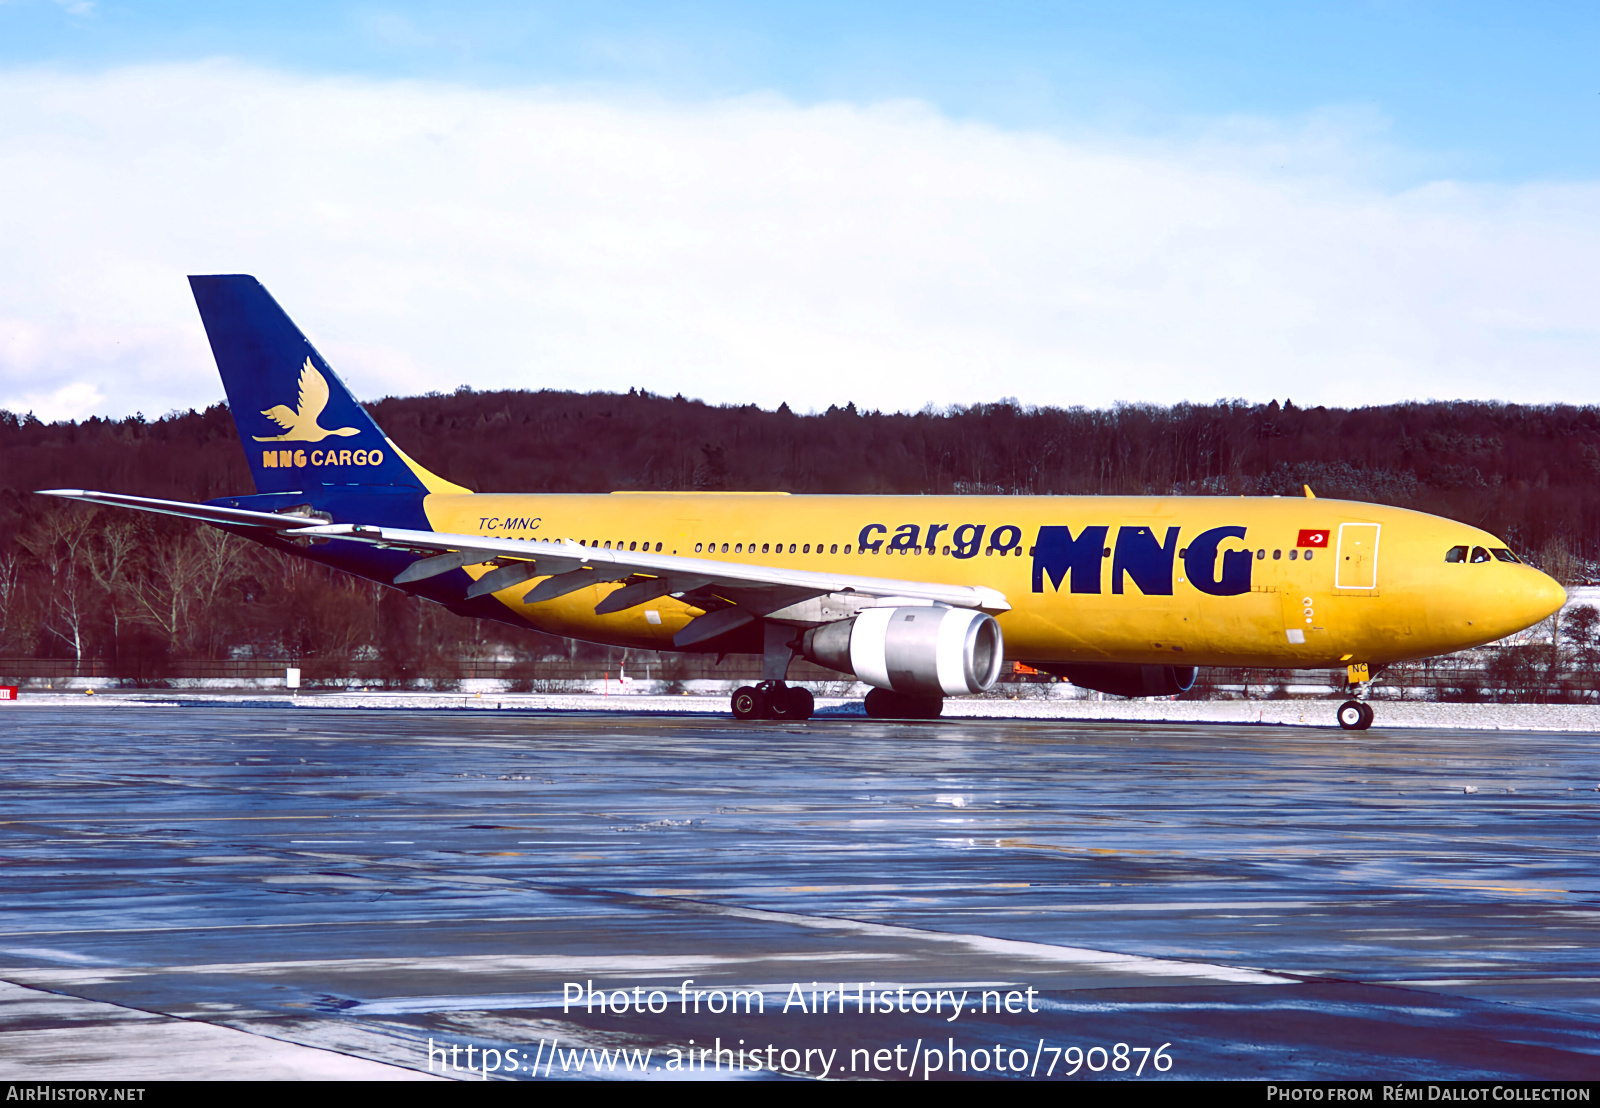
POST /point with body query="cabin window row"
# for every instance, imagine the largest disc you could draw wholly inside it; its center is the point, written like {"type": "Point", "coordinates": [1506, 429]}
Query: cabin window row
{"type": "Point", "coordinates": [1455, 554]}
{"type": "Point", "coordinates": [767, 548]}
{"type": "Point", "coordinates": [831, 548]}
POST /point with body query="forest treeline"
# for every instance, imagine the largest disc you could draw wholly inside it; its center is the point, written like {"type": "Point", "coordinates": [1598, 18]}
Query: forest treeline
{"type": "Point", "coordinates": [90, 583]}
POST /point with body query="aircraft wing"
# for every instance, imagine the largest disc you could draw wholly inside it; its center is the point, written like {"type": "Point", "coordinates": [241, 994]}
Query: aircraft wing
{"type": "Point", "coordinates": [731, 593]}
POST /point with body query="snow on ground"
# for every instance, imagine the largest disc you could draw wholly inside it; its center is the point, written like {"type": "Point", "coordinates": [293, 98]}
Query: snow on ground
{"type": "Point", "coordinates": [1294, 713]}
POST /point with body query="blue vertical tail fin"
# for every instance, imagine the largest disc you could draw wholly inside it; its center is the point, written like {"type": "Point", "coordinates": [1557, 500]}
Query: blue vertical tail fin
{"type": "Point", "coordinates": [299, 424]}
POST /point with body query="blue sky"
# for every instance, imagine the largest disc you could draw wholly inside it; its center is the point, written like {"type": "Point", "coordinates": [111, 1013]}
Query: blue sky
{"type": "Point", "coordinates": [895, 205]}
{"type": "Point", "coordinates": [1483, 90]}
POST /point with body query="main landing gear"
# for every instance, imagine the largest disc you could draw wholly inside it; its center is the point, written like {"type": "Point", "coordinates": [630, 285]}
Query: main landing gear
{"type": "Point", "coordinates": [883, 704]}
{"type": "Point", "coordinates": [773, 700]}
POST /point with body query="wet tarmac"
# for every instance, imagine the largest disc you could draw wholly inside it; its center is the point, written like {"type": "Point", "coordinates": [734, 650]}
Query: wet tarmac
{"type": "Point", "coordinates": [255, 891]}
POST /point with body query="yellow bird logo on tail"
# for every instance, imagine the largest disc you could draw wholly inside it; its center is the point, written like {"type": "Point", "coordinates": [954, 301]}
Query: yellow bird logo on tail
{"type": "Point", "coordinates": [300, 424]}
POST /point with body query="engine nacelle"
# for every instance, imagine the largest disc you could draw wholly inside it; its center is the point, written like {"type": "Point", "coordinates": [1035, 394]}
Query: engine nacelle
{"type": "Point", "coordinates": [1125, 680]}
{"type": "Point", "coordinates": [922, 651]}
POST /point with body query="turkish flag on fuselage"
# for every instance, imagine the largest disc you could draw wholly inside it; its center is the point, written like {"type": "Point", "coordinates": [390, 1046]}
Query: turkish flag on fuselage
{"type": "Point", "coordinates": [1312, 538]}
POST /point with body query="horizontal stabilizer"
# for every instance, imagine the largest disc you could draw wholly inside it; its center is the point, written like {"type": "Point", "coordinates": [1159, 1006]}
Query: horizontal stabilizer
{"type": "Point", "coordinates": [206, 513]}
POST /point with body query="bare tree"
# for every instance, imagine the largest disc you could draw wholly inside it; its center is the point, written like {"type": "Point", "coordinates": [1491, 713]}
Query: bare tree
{"type": "Point", "coordinates": [10, 597]}
{"type": "Point", "coordinates": [186, 575]}
{"type": "Point", "coordinates": [112, 559]}
{"type": "Point", "coordinates": [58, 538]}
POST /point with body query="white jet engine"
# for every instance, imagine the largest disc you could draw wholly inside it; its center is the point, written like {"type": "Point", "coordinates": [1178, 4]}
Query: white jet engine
{"type": "Point", "coordinates": [929, 651]}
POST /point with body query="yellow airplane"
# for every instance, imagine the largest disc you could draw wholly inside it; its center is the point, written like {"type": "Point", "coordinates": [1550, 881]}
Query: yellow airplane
{"type": "Point", "coordinates": [920, 597]}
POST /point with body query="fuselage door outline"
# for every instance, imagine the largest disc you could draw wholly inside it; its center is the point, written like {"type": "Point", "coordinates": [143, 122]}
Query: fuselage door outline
{"type": "Point", "coordinates": [1356, 561]}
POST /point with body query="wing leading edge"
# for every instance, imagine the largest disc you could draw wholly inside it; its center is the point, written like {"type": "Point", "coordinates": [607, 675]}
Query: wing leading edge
{"type": "Point", "coordinates": [730, 593]}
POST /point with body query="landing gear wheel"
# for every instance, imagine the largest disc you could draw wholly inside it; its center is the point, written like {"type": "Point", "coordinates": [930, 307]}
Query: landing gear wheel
{"type": "Point", "coordinates": [801, 703]}
{"type": "Point", "coordinates": [749, 703]}
{"type": "Point", "coordinates": [1355, 716]}
{"type": "Point", "coordinates": [780, 701]}
{"type": "Point", "coordinates": [883, 704]}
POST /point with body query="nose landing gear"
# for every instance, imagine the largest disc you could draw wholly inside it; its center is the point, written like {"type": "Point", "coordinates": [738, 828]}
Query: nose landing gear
{"type": "Point", "coordinates": [1355, 716]}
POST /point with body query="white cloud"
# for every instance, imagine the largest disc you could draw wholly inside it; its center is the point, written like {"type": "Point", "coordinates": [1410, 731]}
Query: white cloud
{"type": "Point", "coordinates": [73, 401]}
{"type": "Point", "coordinates": [427, 236]}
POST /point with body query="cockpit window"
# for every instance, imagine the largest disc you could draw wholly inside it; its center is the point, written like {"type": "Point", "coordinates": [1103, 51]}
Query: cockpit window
{"type": "Point", "coordinates": [1456, 554]}
{"type": "Point", "coordinates": [1479, 554]}
{"type": "Point", "coordinates": [1504, 555]}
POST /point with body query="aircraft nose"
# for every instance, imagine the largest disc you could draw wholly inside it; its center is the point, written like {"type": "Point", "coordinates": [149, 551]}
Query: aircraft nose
{"type": "Point", "coordinates": [1546, 594]}
{"type": "Point", "coordinates": [1520, 598]}
{"type": "Point", "coordinates": [1543, 596]}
